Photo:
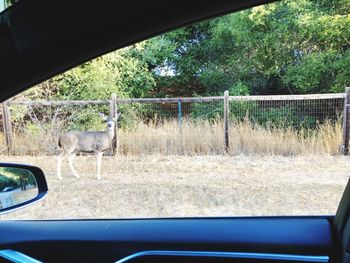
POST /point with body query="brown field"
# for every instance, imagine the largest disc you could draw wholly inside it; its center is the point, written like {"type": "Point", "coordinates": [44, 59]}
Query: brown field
{"type": "Point", "coordinates": [184, 186]}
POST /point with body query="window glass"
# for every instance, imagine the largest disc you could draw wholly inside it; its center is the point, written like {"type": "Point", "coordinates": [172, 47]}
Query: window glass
{"type": "Point", "coordinates": [6, 3]}
{"type": "Point", "coordinates": [241, 115]}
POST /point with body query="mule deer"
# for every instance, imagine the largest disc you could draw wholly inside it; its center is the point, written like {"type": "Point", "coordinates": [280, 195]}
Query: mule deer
{"type": "Point", "coordinates": [95, 142]}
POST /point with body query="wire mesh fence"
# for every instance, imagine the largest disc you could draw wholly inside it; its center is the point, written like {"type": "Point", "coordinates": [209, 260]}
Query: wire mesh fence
{"type": "Point", "coordinates": [297, 112]}
{"type": "Point", "coordinates": [286, 125]}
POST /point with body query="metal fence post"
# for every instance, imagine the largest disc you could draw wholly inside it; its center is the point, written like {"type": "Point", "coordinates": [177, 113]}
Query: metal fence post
{"type": "Point", "coordinates": [226, 120]}
{"type": "Point", "coordinates": [179, 113]}
{"type": "Point", "coordinates": [113, 111]}
{"type": "Point", "coordinates": [7, 127]}
{"type": "Point", "coordinates": [345, 146]}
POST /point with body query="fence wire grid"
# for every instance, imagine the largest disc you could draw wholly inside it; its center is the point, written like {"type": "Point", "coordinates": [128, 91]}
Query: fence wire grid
{"type": "Point", "coordinates": [188, 127]}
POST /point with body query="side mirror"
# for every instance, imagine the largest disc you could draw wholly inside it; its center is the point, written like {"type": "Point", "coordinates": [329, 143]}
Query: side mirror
{"type": "Point", "coordinates": [20, 185]}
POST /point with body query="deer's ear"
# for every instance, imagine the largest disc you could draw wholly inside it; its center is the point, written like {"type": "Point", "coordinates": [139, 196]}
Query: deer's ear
{"type": "Point", "coordinates": [104, 117]}
{"type": "Point", "coordinates": [116, 116]}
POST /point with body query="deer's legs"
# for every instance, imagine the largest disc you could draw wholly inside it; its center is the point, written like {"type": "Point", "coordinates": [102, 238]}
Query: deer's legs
{"type": "Point", "coordinates": [98, 156]}
{"type": "Point", "coordinates": [63, 155]}
{"type": "Point", "coordinates": [70, 163]}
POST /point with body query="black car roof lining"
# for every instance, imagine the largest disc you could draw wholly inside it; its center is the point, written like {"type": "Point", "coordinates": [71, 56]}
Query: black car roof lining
{"type": "Point", "coordinates": [39, 39]}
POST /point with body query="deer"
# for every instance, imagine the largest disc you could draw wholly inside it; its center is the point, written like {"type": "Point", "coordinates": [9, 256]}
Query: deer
{"type": "Point", "coordinates": [97, 142]}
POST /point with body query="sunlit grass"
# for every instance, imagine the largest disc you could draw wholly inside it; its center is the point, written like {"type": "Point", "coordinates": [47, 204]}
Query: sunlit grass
{"type": "Point", "coordinates": [201, 137]}
{"type": "Point", "coordinates": [207, 137]}
{"type": "Point", "coordinates": [189, 186]}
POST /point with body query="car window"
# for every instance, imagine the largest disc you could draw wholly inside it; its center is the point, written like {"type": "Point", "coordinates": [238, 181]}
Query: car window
{"type": "Point", "coordinates": [242, 115]}
{"type": "Point", "coordinates": [6, 3]}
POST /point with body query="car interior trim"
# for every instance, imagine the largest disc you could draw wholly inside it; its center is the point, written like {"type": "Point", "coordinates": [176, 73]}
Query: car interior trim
{"type": "Point", "coordinates": [233, 255]}
{"type": "Point", "coordinates": [17, 257]}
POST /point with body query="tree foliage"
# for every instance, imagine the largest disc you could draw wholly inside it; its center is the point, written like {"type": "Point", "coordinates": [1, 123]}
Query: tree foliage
{"type": "Point", "coordinates": [287, 47]}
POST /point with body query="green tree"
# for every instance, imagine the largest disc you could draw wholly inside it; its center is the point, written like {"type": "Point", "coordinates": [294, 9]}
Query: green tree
{"type": "Point", "coordinates": [286, 47]}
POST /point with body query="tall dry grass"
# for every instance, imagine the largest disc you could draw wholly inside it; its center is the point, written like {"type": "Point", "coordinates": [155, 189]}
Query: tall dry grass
{"type": "Point", "coordinates": [39, 143]}
{"type": "Point", "coordinates": [201, 137]}
{"type": "Point", "coordinates": [207, 137]}
{"type": "Point", "coordinates": [249, 139]}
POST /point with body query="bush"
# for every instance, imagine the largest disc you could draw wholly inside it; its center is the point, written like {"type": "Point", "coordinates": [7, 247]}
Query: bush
{"type": "Point", "coordinates": [207, 111]}
{"type": "Point", "coordinates": [283, 116]}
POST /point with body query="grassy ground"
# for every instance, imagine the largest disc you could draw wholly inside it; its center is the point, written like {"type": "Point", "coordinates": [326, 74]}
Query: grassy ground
{"type": "Point", "coordinates": [176, 186]}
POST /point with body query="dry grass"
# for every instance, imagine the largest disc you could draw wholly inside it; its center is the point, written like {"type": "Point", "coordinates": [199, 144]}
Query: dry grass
{"type": "Point", "coordinates": [23, 196]}
{"type": "Point", "coordinates": [202, 137]}
{"type": "Point", "coordinates": [176, 186]}
{"type": "Point", "coordinates": [206, 138]}
{"type": "Point", "coordinates": [165, 171]}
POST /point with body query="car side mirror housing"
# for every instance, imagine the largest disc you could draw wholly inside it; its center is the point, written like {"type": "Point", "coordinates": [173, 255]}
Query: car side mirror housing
{"type": "Point", "coordinates": [20, 186]}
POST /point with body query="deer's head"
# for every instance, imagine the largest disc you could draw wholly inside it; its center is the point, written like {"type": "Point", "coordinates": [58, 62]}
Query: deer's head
{"type": "Point", "coordinates": [110, 121]}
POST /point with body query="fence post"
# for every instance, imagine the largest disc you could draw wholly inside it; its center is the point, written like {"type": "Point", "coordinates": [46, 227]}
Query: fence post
{"type": "Point", "coordinates": [7, 127]}
{"type": "Point", "coordinates": [113, 111]}
{"type": "Point", "coordinates": [346, 117]}
{"type": "Point", "coordinates": [226, 119]}
{"type": "Point", "coordinates": [179, 113]}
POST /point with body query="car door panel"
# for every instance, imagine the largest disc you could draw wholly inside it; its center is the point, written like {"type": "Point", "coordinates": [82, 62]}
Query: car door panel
{"type": "Point", "coordinates": [112, 240]}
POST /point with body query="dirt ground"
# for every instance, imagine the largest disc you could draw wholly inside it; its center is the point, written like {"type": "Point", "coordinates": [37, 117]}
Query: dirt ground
{"type": "Point", "coordinates": [180, 186]}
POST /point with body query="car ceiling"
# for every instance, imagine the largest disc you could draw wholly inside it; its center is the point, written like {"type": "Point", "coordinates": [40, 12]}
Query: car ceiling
{"type": "Point", "coordinates": [40, 38]}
